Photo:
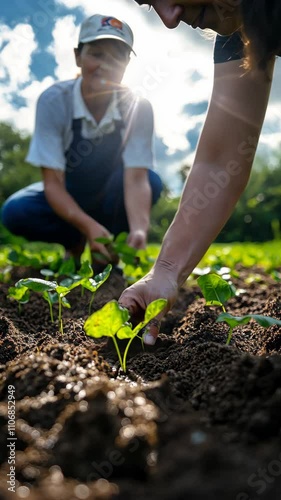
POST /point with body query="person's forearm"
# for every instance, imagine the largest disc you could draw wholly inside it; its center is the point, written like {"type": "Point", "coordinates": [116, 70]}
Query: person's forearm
{"type": "Point", "coordinates": [138, 204]}
{"type": "Point", "coordinates": [207, 202]}
{"type": "Point", "coordinates": [66, 207]}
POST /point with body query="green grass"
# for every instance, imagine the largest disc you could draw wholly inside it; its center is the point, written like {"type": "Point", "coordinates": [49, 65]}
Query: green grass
{"type": "Point", "coordinates": [265, 255]}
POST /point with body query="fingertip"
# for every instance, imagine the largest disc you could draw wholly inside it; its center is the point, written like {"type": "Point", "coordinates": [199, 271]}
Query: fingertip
{"type": "Point", "coordinates": [149, 339]}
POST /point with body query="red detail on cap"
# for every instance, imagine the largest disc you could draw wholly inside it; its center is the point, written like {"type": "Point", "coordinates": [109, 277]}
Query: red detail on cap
{"type": "Point", "coordinates": [112, 21]}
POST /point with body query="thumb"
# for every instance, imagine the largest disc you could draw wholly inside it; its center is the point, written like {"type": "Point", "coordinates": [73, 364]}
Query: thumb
{"type": "Point", "coordinates": [151, 331]}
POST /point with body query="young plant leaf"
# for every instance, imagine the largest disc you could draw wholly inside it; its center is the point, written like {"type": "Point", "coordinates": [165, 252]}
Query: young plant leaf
{"type": "Point", "coordinates": [86, 270]}
{"type": "Point", "coordinates": [112, 321]}
{"type": "Point", "coordinates": [215, 289]}
{"type": "Point", "coordinates": [22, 295]}
{"type": "Point", "coordinates": [36, 284]}
{"type": "Point", "coordinates": [107, 320]}
{"type": "Point", "coordinates": [233, 321]}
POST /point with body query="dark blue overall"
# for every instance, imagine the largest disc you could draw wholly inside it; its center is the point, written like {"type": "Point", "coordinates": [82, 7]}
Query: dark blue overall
{"type": "Point", "coordinates": [94, 178]}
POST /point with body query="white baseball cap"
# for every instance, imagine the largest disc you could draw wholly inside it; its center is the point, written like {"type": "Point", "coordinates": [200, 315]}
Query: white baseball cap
{"type": "Point", "coordinates": [98, 27]}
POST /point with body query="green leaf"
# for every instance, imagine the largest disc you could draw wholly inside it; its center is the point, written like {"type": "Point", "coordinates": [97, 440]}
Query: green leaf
{"type": "Point", "coordinates": [106, 321]}
{"type": "Point", "coordinates": [125, 332]}
{"type": "Point", "coordinates": [22, 294]}
{"type": "Point", "coordinates": [233, 321]}
{"type": "Point", "coordinates": [13, 256]}
{"type": "Point", "coordinates": [65, 303]}
{"type": "Point", "coordinates": [94, 283]}
{"type": "Point", "coordinates": [104, 241]}
{"type": "Point", "coordinates": [36, 284]}
{"type": "Point", "coordinates": [215, 289]}
{"type": "Point", "coordinates": [47, 272]}
{"type": "Point", "coordinates": [66, 282]}
{"type": "Point", "coordinates": [68, 267]}
{"type": "Point", "coordinates": [62, 290]}
{"type": "Point", "coordinates": [121, 237]}
{"type": "Point", "coordinates": [265, 321]}
{"type": "Point", "coordinates": [85, 270]}
{"type": "Point", "coordinates": [51, 297]}
{"type": "Point", "coordinates": [154, 308]}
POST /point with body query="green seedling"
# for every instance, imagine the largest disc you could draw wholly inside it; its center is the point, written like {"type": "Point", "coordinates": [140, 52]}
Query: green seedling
{"type": "Point", "coordinates": [234, 321]}
{"type": "Point", "coordinates": [55, 293]}
{"type": "Point", "coordinates": [50, 290]}
{"type": "Point", "coordinates": [21, 290]}
{"type": "Point", "coordinates": [66, 268]}
{"type": "Point", "coordinates": [217, 291]}
{"type": "Point", "coordinates": [112, 321]}
{"type": "Point", "coordinates": [120, 249]}
{"type": "Point", "coordinates": [93, 284]}
{"type": "Point", "coordinates": [83, 276]}
{"type": "Point", "coordinates": [20, 294]}
{"type": "Point", "coordinates": [135, 263]}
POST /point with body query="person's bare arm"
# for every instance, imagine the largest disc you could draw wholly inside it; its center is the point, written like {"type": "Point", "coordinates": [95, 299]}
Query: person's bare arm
{"type": "Point", "coordinates": [66, 207]}
{"type": "Point", "coordinates": [219, 175]}
{"type": "Point", "coordinates": [137, 194]}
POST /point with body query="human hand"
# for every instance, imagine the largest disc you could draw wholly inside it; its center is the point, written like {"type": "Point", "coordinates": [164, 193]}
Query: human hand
{"type": "Point", "coordinates": [137, 239]}
{"type": "Point", "coordinates": [153, 286]}
{"type": "Point", "coordinates": [94, 231]}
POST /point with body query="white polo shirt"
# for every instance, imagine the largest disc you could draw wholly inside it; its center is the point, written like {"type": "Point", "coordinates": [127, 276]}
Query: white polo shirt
{"type": "Point", "coordinates": [62, 102]}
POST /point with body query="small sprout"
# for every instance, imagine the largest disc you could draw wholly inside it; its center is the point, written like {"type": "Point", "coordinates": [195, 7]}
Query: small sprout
{"type": "Point", "coordinates": [54, 293]}
{"type": "Point", "coordinates": [234, 321]}
{"type": "Point", "coordinates": [216, 290]}
{"type": "Point", "coordinates": [21, 294]}
{"type": "Point", "coordinates": [112, 320]}
{"type": "Point", "coordinates": [93, 284]}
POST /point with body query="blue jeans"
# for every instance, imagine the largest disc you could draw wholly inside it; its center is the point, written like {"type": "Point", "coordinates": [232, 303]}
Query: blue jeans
{"type": "Point", "coordinates": [27, 213]}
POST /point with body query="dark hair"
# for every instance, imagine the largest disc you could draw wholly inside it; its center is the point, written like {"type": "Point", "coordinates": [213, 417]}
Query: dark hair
{"type": "Point", "coordinates": [261, 31]}
{"type": "Point", "coordinates": [80, 47]}
{"type": "Point", "coordinates": [122, 48]}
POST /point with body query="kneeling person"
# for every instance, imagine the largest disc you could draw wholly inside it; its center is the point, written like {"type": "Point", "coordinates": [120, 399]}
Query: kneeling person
{"type": "Point", "coordinates": [93, 142]}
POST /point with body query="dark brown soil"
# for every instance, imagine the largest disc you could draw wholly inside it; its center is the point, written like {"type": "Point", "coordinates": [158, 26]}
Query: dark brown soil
{"type": "Point", "coordinates": [192, 419]}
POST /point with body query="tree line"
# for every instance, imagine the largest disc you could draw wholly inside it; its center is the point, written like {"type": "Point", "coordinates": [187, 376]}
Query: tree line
{"type": "Point", "coordinates": [257, 216]}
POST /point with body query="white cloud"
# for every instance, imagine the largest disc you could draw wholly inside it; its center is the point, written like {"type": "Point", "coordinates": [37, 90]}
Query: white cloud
{"type": "Point", "coordinates": [15, 57]}
{"type": "Point", "coordinates": [65, 35]}
{"type": "Point", "coordinates": [23, 118]}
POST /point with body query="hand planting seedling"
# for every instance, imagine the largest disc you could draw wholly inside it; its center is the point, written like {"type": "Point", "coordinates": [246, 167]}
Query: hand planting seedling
{"type": "Point", "coordinates": [112, 321]}
{"type": "Point", "coordinates": [135, 263]}
{"type": "Point", "coordinates": [216, 292]}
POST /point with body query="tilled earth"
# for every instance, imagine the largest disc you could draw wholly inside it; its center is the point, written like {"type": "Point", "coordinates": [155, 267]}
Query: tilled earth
{"type": "Point", "coordinates": [192, 419]}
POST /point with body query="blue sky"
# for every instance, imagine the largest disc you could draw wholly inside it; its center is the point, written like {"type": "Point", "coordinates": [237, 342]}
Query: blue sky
{"type": "Point", "coordinates": [36, 49]}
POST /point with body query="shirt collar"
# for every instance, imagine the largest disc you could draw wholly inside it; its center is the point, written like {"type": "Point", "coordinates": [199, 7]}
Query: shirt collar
{"type": "Point", "coordinates": [80, 109]}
